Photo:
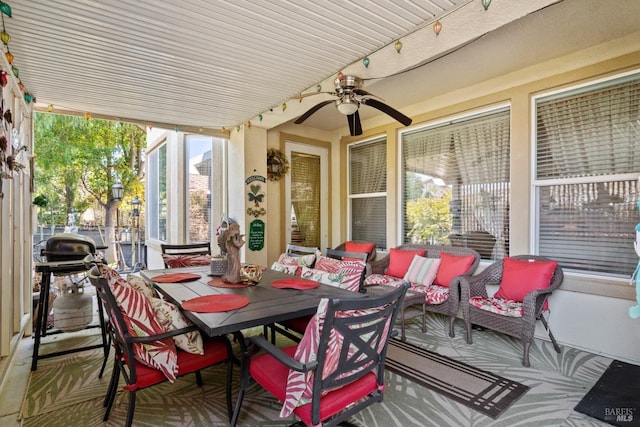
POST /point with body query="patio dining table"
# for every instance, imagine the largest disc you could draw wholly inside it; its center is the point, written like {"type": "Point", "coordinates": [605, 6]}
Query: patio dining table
{"type": "Point", "coordinates": [267, 304]}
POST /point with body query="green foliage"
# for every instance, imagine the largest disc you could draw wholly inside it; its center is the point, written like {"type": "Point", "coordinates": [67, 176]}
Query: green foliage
{"type": "Point", "coordinates": [429, 219]}
{"type": "Point", "coordinates": [41, 201]}
{"type": "Point", "coordinates": [78, 160]}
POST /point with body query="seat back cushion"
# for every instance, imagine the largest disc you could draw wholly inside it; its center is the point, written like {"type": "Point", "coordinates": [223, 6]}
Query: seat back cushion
{"type": "Point", "coordinates": [342, 274]}
{"type": "Point", "coordinates": [359, 247]}
{"type": "Point", "coordinates": [184, 260]}
{"type": "Point", "coordinates": [291, 264]}
{"type": "Point", "coordinates": [452, 266]}
{"type": "Point", "coordinates": [422, 271]}
{"type": "Point", "coordinates": [400, 260]}
{"type": "Point", "coordinates": [519, 277]}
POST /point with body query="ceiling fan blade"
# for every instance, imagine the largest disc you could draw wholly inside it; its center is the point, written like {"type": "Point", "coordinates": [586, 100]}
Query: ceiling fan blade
{"type": "Point", "coordinates": [355, 127]}
{"type": "Point", "coordinates": [304, 95]}
{"type": "Point", "coordinates": [312, 110]}
{"type": "Point", "coordinates": [362, 92]}
{"type": "Point", "coordinates": [387, 110]}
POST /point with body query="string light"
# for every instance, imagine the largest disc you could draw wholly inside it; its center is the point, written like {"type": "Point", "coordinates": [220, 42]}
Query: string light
{"type": "Point", "coordinates": [398, 46]}
{"type": "Point", "coordinates": [437, 27]}
{"type": "Point", "coordinates": [50, 108]}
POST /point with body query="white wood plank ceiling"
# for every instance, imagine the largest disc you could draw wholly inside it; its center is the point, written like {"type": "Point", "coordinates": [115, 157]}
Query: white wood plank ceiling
{"type": "Point", "coordinates": [212, 63]}
{"type": "Point", "coordinates": [196, 62]}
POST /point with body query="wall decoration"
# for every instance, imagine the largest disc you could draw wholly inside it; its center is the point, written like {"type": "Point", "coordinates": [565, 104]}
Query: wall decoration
{"type": "Point", "coordinates": [255, 195]}
{"type": "Point", "coordinates": [256, 235]}
{"type": "Point", "coordinates": [277, 164]}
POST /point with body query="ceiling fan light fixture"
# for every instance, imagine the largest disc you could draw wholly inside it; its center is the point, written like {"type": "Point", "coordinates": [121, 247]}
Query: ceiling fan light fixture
{"type": "Point", "coordinates": [347, 106]}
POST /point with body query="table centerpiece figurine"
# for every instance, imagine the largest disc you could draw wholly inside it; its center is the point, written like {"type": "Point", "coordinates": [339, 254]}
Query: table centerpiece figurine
{"type": "Point", "coordinates": [233, 241]}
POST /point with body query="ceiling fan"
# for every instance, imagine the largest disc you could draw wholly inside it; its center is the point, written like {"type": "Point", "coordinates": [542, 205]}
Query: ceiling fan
{"type": "Point", "coordinates": [349, 96]}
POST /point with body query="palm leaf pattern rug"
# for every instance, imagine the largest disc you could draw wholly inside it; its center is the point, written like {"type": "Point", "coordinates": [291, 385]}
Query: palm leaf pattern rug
{"type": "Point", "coordinates": [66, 390]}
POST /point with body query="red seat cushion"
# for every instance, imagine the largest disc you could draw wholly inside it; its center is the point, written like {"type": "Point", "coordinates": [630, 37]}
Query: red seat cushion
{"type": "Point", "coordinates": [519, 277]}
{"type": "Point", "coordinates": [215, 351]}
{"type": "Point", "coordinates": [400, 260]}
{"type": "Point", "coordinates": [452, 266]}
{"type": "Point", "coordinates": [299, 324]}
{"type": "Point", "coordinates": [272, 375]}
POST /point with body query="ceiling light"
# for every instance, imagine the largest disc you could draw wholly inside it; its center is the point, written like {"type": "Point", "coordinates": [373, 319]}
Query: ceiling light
{"type": "Point", "coordinates": [347, 105]}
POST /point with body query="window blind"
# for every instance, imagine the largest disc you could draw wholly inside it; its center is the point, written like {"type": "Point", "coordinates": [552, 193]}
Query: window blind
{"type": "Point", "coordinates": [455, 180]}
{"type": "Point", "coordinates": [587, 165]}
{"type": "Point", "coordinates": [367, 191]}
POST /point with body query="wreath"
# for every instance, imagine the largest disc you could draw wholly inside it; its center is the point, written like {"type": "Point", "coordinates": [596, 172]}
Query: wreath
{"type": "Point", "coordinates": [277, 164]}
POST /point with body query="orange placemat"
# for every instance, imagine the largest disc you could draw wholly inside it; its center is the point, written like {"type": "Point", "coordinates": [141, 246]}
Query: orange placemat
{"type": "Point", "coordinates": [215, 303]}
{"type": "Point", "coordinates": [294, 283]}
{"type": "Point", "coordinates": [176, 277]}
{"type": "Point", "coordinates": [219, 283]}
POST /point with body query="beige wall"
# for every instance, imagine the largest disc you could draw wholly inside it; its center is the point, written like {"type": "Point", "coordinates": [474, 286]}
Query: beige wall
{"type": "Point", "coordinates": [589, 312]}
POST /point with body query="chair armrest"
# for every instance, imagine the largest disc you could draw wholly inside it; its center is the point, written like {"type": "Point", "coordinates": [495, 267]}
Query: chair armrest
{"type": "Point", "coordinates": [281, 356]}
{"type": "Point", "coordinates": [379, 265]}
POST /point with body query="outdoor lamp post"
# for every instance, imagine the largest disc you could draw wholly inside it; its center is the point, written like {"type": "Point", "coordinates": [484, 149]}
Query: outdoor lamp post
{"type": "Point", "coordinates": [135, 216]}
{"type": "Point", "coordinates": [117, 193]}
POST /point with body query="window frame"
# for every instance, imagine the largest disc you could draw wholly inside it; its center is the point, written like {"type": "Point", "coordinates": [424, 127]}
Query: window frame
{"type": "Point", "coordinates": [538, 184]}
{"type": "Point", "coordinates": [153, 215]}
{"type": "Point", "coordinates": [350, 197]}
{"type": "Point", "coordinates": [486, 110]}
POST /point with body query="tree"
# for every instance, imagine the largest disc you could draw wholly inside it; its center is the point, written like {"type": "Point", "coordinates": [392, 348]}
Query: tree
{"type": "Point", "coordinates": [429, 219]}
{"type": "Point", "coordinates": [78, 160]}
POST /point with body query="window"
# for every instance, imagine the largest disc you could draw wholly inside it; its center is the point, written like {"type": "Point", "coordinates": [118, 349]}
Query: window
{"type": "Point", "coordinates": [368, 191]}
{"type": "Point", "coordinates": [455, 183]}
{"type": "Point", "coordinates": [204, 182]}
{"type": "Point", "coordinates": [587, 163]}
{"type": "Point", "coordinates": [157, 193]}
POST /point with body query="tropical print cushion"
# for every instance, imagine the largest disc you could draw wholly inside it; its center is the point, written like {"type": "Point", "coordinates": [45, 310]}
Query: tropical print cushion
{"type": "Point", "coordinates": [383, 279]}
{"type": "Point", "coordinates": [433, 294]}
{"type": "Point", "coordinates": [300, 384]}
{"type": "Point", "coordinates": [179, 261]}
{"type": "Point", "coordinates": [288, 269]}
{"type": "Point", "coordinates": [302, 260]}
{"type": "Point", "coordinates": [141, 285]}
{"type": "Point", "coordinates": [141, 321]}
{"type": "Point", "coordinates": [171, 318]}
{"type": "Point", "coordinates": [342, 274]}
{"type": "Point", "coordinates": [422, 270]}
{"type": "Point", "coordinates": [501, 306]}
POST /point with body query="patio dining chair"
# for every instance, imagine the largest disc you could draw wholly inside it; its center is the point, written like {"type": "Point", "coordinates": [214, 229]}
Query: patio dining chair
{"type": "Point", "coordinates": [336, 370]}
{"type": "Point", "coordinates": [526, 282]}
{"type": "Point", "coordinates": [137, 336]}
{"type": "Point", "coordinates": [189, 255]}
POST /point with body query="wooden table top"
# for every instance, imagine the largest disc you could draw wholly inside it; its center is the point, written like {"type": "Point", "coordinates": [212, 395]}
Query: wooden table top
{"type": "Point", "coordinates": [266, 304]}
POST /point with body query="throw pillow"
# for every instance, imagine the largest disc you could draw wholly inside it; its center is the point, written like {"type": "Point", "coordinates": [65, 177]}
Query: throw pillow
{"type": "Point", "coordinates": [179, 261]}
{"type": "Point", "coordinates": [141, 285]}
{"type": "Point", "coordinates": [302, 260]}
{"type": "Point", "coordinates": [288, 269]}
{"type": "Point", "coordinates": [422, 271]}
{"type": "Point", "coordinates": [340, 273]}
{"type": "Point", "coordinates": [141, 321]}
{"type": "Point", "coordinates": [452, 266]}
{"type": "Point", "coordinates": [171, 318]}
{"type": "Point", "coordinates": [400, 260]}
{"type": "Point", "coordinates": [519, 277]}
{"type": "Point", "coordinates": [359, 247]}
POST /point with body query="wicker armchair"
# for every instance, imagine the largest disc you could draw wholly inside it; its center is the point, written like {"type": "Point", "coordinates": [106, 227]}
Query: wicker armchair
{"type": "Point", "coordinates": [519, 327]}
{"type": "Point", "coordinates": [448, 307]}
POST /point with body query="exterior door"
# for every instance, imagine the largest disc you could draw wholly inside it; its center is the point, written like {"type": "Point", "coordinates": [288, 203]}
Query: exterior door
{"type": "Point", "coordinates": [307, 195]}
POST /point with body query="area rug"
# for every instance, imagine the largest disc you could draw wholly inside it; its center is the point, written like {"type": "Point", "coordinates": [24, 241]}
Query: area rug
{"type": "Point", "coordinates": [615, 399]}
{"type": "Point", "coordinates": [483, 391]}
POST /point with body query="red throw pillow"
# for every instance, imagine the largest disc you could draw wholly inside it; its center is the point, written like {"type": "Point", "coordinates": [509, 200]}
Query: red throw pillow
{"type": "Point", "coordinates": [365, 248]}
{"type": "Point", "coordinates": [400, 260]}
{"type": "Point", "coordinates": [519, 277]}
{"type": "Point", "coordinates": [452, 266]}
